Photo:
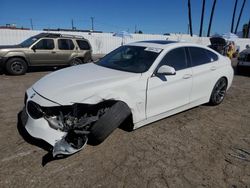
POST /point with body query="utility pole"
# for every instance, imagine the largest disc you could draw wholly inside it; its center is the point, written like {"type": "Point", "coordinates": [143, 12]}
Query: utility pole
{"type": "Point", "coordinates": [190, 18]}
{"type": "Point", "coordinates": [211, 18]}
{"type": "Point", "coordinates": [202, 17]}
{"type": "Point", "coordinates": [92, 23]}
{"type": "Point", "coordinates": [241, 10]}
{"type": "Point", "coordinates": [232, 25]}
{"type": "Point", "coordinates": [72, 24]}
{"type": "Point", "coordinates": [135, 28]}
{"type": "Point", "coordinates": [31, 23]}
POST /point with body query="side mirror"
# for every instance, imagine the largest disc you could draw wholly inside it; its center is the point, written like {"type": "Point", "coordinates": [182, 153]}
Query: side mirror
{"type": "Point", "coordinates": [166, 70]}
{"type": "Point", "coordinates": [33, 48]}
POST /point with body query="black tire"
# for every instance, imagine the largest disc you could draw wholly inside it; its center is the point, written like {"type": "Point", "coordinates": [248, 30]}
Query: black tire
{"type": "Point", "coordinates": [16, 66]}
{"type": "Point", "coordinates": [88, 58]}
{"type": "Point", "coordinates": [111, 120]}
{"type": "Point", "coordinates": [219, 92]}
{"type": "Point", "coordinates": [75, 61]}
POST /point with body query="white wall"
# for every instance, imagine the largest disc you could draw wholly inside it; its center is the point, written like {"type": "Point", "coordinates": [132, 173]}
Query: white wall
{"type": "Point", "coordinates": [103, 43]}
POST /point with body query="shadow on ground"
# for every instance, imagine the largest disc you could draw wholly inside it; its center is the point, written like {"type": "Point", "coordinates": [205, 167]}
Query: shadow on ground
{"type": "Point", "coordinates": [44, 69]}
{"type": "Point", "coordinates": [36, 69]}
{"type": "Point", "coordinates": [242, 71]}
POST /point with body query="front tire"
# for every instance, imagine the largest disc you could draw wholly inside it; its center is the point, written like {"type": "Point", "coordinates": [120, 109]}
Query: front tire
{"type": "Point", "coordinates": [219, 92]}
{"type": "Point", "coordinates": [16, 66]}
{"type": "Point", "coordinates": [108, 122]}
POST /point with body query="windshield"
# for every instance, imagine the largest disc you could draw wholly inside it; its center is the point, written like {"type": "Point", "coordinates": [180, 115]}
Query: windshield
{"type": "Point", "coordinates": [135, 59]}
{"type": "Point", "coordinates": [28, 42]}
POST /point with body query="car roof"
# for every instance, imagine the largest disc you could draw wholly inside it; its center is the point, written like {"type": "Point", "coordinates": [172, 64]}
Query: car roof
{"type": "Point", "coordinates": [246, 51]}
{"type": "Point", "coordinates": [164, 44]}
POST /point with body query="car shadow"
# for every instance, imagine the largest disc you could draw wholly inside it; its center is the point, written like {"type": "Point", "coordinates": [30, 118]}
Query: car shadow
{"type": "Point", "coordinates": [242, 71]}
{"type": "Point", "coordinates": [36, 69]}
{"type": "Point", "coordinates": [44, 68]}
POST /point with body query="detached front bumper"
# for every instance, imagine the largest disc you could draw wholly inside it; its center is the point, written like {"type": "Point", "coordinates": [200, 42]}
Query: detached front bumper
{"type": "Point", "coordinates": [39, 128]}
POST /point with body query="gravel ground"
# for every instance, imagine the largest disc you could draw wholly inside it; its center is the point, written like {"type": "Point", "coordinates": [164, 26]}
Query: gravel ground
{"type": "Point", "coordinates": [202, 147]}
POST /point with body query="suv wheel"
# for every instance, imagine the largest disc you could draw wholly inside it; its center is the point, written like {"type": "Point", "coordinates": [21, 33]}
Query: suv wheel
{"type": "Point", "coordinates": [16, 66]}
{"type": "Point", "coordinates": [75, 61]}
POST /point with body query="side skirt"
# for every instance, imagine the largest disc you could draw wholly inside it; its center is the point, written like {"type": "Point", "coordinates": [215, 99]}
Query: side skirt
{"type": "Point", "coordinates": [169, 113]}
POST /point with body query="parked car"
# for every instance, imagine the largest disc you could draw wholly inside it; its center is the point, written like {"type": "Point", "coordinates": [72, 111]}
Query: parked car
{"type": "Point", "coordinates": [45, 49]}
{"type": "Point", "coordinates": [243, 59]}
{"type": "Point", "coordinates": [218, 44]}
{"type": "Point", "coordinates": [142, 82]}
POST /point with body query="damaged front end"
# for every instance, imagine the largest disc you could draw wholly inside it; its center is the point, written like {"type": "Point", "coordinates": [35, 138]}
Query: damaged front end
{"type": "Point", "coordinates": [74, 121]}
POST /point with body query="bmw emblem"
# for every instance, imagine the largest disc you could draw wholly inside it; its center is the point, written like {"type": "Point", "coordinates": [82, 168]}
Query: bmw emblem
{"type": "Point", "coordinates": [33, 95]}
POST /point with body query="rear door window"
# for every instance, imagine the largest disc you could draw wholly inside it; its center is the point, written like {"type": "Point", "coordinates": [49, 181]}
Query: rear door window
{"type": "Point", "coordinates": [65, 44]}
{"type": "Point", "coordinates": [200, 56]}
{"type": "Point", "coordinates": [83, 45]}
{"type": "Point", "coordinates": [45, 44]}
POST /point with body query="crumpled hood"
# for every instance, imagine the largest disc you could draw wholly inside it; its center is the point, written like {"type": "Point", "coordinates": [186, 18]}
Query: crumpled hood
{"type": "Point", "coordinates": [77, 83]}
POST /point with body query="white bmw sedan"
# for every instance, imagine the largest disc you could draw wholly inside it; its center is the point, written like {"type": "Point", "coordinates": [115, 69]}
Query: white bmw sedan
{"type": "Point", "coordinates": [143, 82]}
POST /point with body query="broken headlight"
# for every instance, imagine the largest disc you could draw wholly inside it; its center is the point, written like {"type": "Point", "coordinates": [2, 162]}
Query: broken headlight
{"type": "Point", "coordinates": [34, 110]}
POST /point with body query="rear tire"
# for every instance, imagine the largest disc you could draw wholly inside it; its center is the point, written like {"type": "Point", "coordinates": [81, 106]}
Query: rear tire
{"type": "Point", "coordinates": [75, 61]}
{"type": "Point", "coordinates": [16, 66]}
{"type": "Point", "coordinates": [219, 92]}
{"type": "Point", "coordinates": [111, 120]}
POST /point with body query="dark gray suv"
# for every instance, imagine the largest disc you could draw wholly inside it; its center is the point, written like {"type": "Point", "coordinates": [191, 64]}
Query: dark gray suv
{"type": "Point", "coordinates": [45, 49]}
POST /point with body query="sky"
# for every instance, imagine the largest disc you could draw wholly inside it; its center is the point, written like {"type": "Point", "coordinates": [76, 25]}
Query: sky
{"type": "Point", "coordinates": [149, 16]}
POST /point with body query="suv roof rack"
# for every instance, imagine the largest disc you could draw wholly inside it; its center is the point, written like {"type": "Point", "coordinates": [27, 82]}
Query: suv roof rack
{"type": "Point", "coordinates": [57, 35]}
{"type": "Point", "coordinates": [72, 36]}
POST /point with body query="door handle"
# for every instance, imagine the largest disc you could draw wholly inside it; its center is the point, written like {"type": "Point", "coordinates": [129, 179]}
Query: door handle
{"type": "Point", "coordinates": [187, 76]}
{"type": "Point", "coordinates": [53, 52]}
{"type": "Point", "coordinates": [213, 68]}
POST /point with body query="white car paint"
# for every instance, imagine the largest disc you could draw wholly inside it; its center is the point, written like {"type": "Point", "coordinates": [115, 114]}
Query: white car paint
{"type": "Point", "coordinates": [149, 97]}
